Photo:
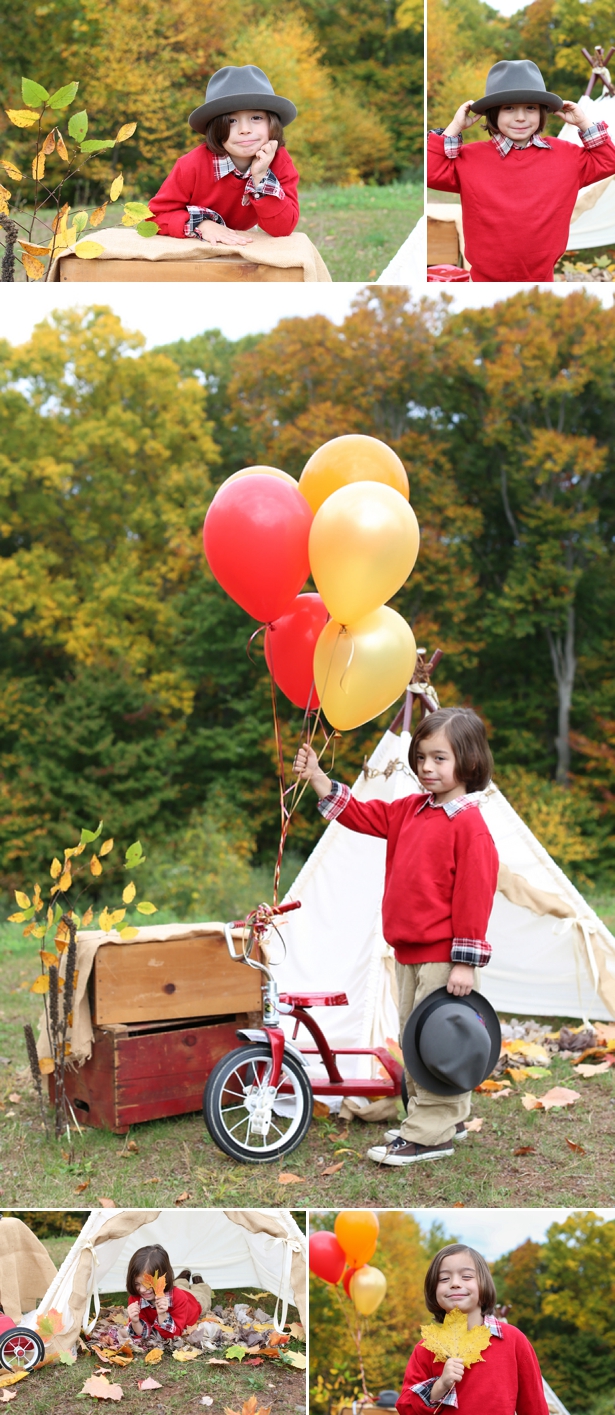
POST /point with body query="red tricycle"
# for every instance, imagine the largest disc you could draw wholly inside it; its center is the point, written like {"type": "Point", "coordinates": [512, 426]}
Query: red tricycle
{"type": "Point", "coordinates": [259, 1099]}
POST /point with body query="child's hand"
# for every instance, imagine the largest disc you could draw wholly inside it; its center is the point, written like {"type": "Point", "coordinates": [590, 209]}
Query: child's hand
{"type": "Point", "coordinates": [453, 1371]}
{"type": "Point", "coordinates": [263, 159]}
{"type": "Point", "coordinates": [306, 763]}
{"type": "Point", "coordinates": [217, 235]}
{"type": "Point", "coordinates": [573, 113]}
{"type": "Point", "coordinates": [134, 1309]}
{"type": "Point", "coordinates": [464, 118]}
{"type": "Point", "coordinates": [461, 980]}
{"type": "Point", "coordinates": [162, 1304]}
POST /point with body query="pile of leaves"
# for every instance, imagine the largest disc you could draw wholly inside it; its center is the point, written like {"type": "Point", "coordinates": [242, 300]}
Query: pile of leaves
{"type": "Point", "coordinates": [576, 270]}
{"type": "Point", "coordinates": [238, 1333]}
{"type": "Point", "coordinates": [528, 1049]}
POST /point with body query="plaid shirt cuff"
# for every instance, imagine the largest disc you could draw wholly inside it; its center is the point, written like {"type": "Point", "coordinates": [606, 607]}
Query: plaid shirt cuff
{"type": "Point", "coordinates": [267, 187]}
{"type": "Point", "coordinates": [452, 145]}
{"type": "Point", "coordinates": [595, 135]}
{"type": "Point", "coordinates": [331, 806]}
{"type": "Point", "coordinates": [424, 1389]}
{"type": "Point", "coordinates": [476, 952]}
{"type": "Point", "coordinates": [196, 214]}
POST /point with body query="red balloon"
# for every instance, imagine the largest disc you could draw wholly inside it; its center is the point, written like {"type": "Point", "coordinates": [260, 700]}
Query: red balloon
{"type": "Point", "coordinates": [256, 542]}
{"type": "Point", "coordinates": [350, 1272]}
{"type": "Point", "coordinates": [326, 1257]}
{"type": "Point", "coordinates": [289, 648]}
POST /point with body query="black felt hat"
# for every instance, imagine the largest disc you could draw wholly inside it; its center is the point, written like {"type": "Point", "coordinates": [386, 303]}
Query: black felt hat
{"type": "Point", "coordinates": [233, 89]}
{"type": "Point", "coordinates": [516, 81]}
{"type": "Point", "coordinates": [450, 1044]}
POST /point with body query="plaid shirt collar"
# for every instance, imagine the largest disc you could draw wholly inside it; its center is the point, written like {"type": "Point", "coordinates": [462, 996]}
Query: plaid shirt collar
{"type": "Point", "coordinates": [452, 808]}
{"type": "Point", "coordinates": [224, 165]}
{"type": "Point", "coordinates": [504, 144]}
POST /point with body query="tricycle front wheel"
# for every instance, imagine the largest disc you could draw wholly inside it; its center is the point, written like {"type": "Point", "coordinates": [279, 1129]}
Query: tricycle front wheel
{"type": "Point", "coordinates": [247, 1117]}
{"type": "Point", "coordinates": [21, 1349]}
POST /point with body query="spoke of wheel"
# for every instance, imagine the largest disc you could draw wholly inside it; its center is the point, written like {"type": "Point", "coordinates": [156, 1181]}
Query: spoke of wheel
{"type": "Point", "coordinates": [230, 1130]}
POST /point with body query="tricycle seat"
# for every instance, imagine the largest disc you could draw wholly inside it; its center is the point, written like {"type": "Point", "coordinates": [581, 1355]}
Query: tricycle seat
{"type": "Point", "coordinates": [315, 999]}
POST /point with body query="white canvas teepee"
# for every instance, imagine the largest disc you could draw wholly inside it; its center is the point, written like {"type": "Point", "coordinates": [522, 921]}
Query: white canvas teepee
{"type": "Point", "coordinates": [227, 1247]}
{"type": "Point", "coordinates": [593, 220]}
{"type": "Point", "coordinates": [552, 955]}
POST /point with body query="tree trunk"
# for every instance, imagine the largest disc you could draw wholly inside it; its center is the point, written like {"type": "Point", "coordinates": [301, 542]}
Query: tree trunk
{"type": "Point", "coordinates": [561, 647]}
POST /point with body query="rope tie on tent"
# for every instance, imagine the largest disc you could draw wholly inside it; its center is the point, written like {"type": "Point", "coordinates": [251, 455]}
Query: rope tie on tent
{"type": "Point", "coordinates": [88, 1325]}
{"type": "Point", "coordinates": [587, 927]}
{"type": "Point", "coordinates": [290, 1246]}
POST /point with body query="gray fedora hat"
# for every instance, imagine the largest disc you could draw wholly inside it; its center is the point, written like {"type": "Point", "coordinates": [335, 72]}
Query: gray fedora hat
{"type": "Point", "coordinates": [450, 1044]}
{"type": "Point", "coordinates": [233, 89]}
{"type": "Point", "coordinates": [516, 81]}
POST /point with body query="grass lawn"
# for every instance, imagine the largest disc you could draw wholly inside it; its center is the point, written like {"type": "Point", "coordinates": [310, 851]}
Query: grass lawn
{"type": "Point", "coordinates": [176, 1157]}
{"type": "Point", "coordinates": [357, 229]}
{"type": "Point", "coordinates": [56, 1388]}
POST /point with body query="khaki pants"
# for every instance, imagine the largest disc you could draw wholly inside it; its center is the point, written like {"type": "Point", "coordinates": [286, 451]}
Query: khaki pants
{"type": "Point", "coordinates": [201, 1290]}
{"type": "Point", "coordinates": [430, 1119]}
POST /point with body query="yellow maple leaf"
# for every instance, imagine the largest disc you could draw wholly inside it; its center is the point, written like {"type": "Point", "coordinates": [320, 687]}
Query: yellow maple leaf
{"type": "Point", "coordinates": [153, 1356]}
{"type": "Point", "coordinates": [452, 1338]}
{"type": "Point", "coordinates": [155, 1281]}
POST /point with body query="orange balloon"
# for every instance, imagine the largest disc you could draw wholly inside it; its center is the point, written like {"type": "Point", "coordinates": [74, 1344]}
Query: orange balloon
{"type": "Point", "coordinates": [357, 1232]}
{"type": "Point", "coordinates": [261, 471]}
{"type": "Point", "coordinates": [347, 459]}
{"type": "Point", "coordinates": [367, 1289]}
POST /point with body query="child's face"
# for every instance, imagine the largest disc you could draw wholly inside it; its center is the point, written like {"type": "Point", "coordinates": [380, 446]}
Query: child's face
{"type": "Point", "coordinates": [457, 1285]}
{"type": "Point", "coordinates": [519, 120]}
{"type": "Point", "coordinates": [142, 1290]}
{"type": "Point", "coordinates": [248, 132]}
{"type": "Point", "coordinates": [435, 764]}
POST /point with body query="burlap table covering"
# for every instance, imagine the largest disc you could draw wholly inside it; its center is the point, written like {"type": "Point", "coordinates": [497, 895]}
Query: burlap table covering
{"type": "Point", "coordinates": [286, 252]}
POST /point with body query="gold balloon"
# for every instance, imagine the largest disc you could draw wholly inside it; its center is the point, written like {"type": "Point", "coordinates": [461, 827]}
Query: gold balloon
{"type": "Point", "coordinates": [352, 458]}
{"type": "Point", "coordinates": [363, 545]}
{"type": "Point", "coordinates": [261, 471]}
{"type": "Point", "coordinates": [361, 668]}
{"type": "Point", "coordinates": [367, 1289]}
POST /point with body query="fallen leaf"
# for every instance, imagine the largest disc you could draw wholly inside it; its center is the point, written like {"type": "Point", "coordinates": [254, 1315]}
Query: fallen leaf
{"type": "Point", "coordinates": [527, 1049]}
{"type": "Point", "coordinates": [296, 1359]}
{"type": "Point", "coordinates": [491, 1086]}
{"type": "Point", "coordinates": [500, 1095]}
{"type": "Point", "coordinates": [81, 1187]}
{"type": "Point", "coordinates": [236, 1353]}
{"type": "Point", "coordinates": [577, 1148]}
{"type": "Point", "coordinates": [154, 1356]}
{"type": "Point", "coordinates": [107, 1203]}
{"type": "Point", "coordinates": [474, 1125]}
{"type": "Point", "coordinates": [119, 1360]}
{"type": "Point", "coordinates": [157, 1282]}
{"type": "Point", "coordinates": [7, 1395]}
{"type": "Point", "coordinates": [181, 1198]}
{"type": "Point", "coordinates": [254, 1361]}
{"type": "Point", "coordinates": [320, 1110]}
{"type": "Point", "coordinates": [187, 1354]}
{"type": "Point", "coordinates": [49, 1323]}
{"type": "Point", "coordinates": [531, 1102]}
{"type": "Point", "coordinates": [525, 1150]}
{"type": "Point", "coordinates": [288, 1178]}
{"type": "Point", "coordinates": [296, 1330]}
{"type": "Point", "coordinates": [559, 1096]}
{"type": "Point", "coordinates": [13, 1378]}
{"type": "Point", "coordinates": [149, 1384]}
{"type": "Point", "coordinates": [66, 1358]}
{"type": "Point", "coordinates": [14, 1098]}
{"type": "Point", "coordinates": [278, 1338]}
{"type": "Point", "coordinates": [102, 1389]}
{"type": "Point", "coordinates": [333, 1168]}
{"type": "Point", "coordinates": [518, 1073]}
{"type": "Point", "coordinates": [215, 1361]}
{"type": "Point", "coordinates": [587, 1071]}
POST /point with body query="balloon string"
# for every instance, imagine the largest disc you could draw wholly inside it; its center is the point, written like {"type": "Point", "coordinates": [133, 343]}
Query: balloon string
{"type": "Point", "coordinates": [342, 688]}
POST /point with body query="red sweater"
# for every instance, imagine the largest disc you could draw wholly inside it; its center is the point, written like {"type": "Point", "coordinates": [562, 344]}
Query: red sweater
{"type": "Point", "coordinates": [192, 182]}
{"type": "Point", "coordinates": [506, 1382]}
{"type": "Point", "coordinates": [184, 1311]}
{"type": "Point", "coordinates": [517, 209]}
{"type": "Point", "coordinates": [441, 874]}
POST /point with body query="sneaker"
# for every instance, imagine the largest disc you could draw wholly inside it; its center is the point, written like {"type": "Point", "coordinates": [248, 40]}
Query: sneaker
{"type": "Point", "coordinates": [183, 1276]}
{"type": "Point", "coordinates": [460, 1133]}
{"type": "Point", "coordinates": [401, 1152]}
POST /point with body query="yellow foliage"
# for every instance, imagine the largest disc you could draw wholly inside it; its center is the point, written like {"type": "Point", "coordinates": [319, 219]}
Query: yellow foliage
{"type": "Point", "coordinates": [554, 815]}
{"type": "Point", "coordinates": [456, 71]}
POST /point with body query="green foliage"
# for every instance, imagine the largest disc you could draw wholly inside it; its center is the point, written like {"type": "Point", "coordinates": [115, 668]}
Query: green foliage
{"type": "Point", "coordinates": [51, 1223]}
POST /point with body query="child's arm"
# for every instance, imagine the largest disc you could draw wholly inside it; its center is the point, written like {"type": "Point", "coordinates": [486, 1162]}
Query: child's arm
{"type": "Point", "coordinates": [271, 190]}
{"type": "Point", "coordinates": [597, 156]}
{"type": "Point", "coordinates": [475, 883]}
{"type": "Point", "coordinates": [531, 1395]}
{"type": "Point", "coordinates": [419, 1391]}
{"type": "Point", "coordinates": [366, 817]}
{"type": "Point", "coordinates": [134, 1317]}
{"type": "Point", "coordinates": [464, 118]}
{"type": "Point", "coordinates": [444, 148]}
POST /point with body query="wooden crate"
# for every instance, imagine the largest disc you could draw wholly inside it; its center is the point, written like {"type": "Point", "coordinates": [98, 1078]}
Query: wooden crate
{"type": "Point", "coordinates": [171, 978]}
{"type": "Point", "coordinates": [442, 243]}
{"type": "Point", "coordinates": [165, 272]}
{"type": "Point", "coordinates": [147, 1072]}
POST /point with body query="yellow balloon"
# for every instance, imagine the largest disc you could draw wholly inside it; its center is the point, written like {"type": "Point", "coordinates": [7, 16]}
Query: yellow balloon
{"type": "Point", "coordinates": [363, 545]}
{"type": "Point", "coordinates": [352, 458]}
{"type": "Point", "coordinates": [367, 1289]}
{"type": "Point", "coordinates": [361, 668]}
{"type": "Point", "coordinates": [261, 471]}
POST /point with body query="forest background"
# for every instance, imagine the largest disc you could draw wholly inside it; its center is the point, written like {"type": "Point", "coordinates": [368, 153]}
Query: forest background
{"type": "Point", "coordinates": [354, 68]}
{"type": "Point", "coordinates": [465, 37]}
{"type": "Point", "coordinates": [560, 1293]}
{"type": "Point", "coordinates": [126, 688]}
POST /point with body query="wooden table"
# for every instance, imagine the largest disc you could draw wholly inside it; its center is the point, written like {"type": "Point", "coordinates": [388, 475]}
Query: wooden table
{"type": "Point", "coordinates": [189, 272]}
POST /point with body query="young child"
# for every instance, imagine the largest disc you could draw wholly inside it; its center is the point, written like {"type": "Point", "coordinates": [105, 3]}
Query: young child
{"type": "Point", "coordinates": [242, 175]}
{"type": "Point", "coordinates": [507, 1379]}
{"type": "Point", "coordinates": [441, 876]}
{"type": "Point", "coordinates": [169, 1314]}
{"type": "Point", "coordinates": [519, 189]}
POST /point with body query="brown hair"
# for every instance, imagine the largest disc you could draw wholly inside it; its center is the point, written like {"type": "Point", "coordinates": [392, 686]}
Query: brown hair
{"type": "Point", "coordinates": [486, 1288]}
{"type": "Point", "coordinates": [468, 739]}
{"type": "Point", "coordinates": [492, 114]}
{"type": "Point", "coordinates": [218, 129]}
{"type": "Point", "coordinates": [149, 1260]}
